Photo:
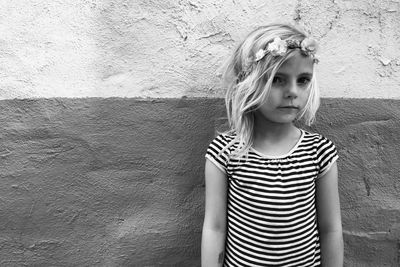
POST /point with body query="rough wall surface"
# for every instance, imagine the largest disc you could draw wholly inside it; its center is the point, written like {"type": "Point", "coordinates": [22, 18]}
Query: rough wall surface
{"type": "Point", "coordinates": [113, 180]}
{"type": "Point", "coordinates": [171, 48]}
{"type": "Point", "coordinates": [119, 182]}
{"type": "Point", "coordinates": [102, 182]}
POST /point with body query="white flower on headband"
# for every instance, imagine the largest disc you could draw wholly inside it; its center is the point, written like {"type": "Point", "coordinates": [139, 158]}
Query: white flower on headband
{"type": "Point", "coordinates": [260, 54]}
{"type": "Point", "coordinates": [309, 46]}
{"type": "Point", "coordinates": [278, 47]}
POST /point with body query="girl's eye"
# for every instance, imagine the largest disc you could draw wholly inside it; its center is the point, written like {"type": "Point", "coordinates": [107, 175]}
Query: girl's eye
{"type": "Point", "coordinates": [304, 81]}
{"type": "Point", "coordinates": [277, 80]}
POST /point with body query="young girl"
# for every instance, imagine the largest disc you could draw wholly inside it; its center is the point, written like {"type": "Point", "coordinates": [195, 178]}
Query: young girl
{"type": "Point", "coordinates": [271, 188]}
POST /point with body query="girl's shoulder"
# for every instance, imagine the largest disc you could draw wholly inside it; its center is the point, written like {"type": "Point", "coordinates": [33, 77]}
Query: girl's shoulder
{"type": "Point", "coordinates": [224, 142]}
{"type": "Point", "coordinates": [219, 150]}
{"type": "Point", "coordinates": [224, 138]}
{"type": "Point", "coordinates": [326, 153]}
{"type": "Point", "coordinates": [315, 137]}
{"type": "Point", "coordinates": [319, 142]}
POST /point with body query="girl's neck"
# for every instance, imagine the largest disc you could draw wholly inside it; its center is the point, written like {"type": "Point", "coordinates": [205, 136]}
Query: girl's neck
{"type": "Point", "coordinates": [274, 132]}
{"type": "Point", "coordinates": [274, 139]}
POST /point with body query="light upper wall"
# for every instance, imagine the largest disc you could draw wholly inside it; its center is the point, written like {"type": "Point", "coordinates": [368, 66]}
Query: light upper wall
{"type": "Point", "coordinates": [174, 48]}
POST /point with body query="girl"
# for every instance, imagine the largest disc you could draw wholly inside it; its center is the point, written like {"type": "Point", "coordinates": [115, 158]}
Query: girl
{"type": "Point", "coordinates": [271, 188]}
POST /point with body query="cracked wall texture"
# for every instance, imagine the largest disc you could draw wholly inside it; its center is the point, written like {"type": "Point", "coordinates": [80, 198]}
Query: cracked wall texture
{"type": "Point", "coordinates": [168, 48]}
{"type": "Point", "coordinates": [114, 180]}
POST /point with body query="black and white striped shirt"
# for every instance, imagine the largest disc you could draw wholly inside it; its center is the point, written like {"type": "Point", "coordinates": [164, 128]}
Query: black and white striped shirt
{"type": "Point", "coordinates": [271, 202]}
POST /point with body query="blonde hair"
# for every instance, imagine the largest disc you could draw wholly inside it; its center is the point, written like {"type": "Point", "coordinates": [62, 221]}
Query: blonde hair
{"type": "Point", "coordinates": [247, 90]}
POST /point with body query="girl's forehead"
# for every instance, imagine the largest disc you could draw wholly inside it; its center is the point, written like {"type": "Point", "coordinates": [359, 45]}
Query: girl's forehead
{"type": "Point", "coordinates": [297, 64]}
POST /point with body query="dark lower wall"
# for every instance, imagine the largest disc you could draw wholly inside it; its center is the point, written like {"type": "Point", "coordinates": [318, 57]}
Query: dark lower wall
{"type": "Point", "coordinates": [119, 182]}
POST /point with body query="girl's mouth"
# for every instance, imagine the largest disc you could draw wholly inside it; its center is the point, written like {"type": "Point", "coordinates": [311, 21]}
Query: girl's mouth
{"type": "Point", "coordinates": [288, 107]}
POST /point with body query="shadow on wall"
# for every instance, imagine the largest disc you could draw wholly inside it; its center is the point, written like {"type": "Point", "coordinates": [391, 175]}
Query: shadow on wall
{"type": "Point", "coordinates": [119, 182]}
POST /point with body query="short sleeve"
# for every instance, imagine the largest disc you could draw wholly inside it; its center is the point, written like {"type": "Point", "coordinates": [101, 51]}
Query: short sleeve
{"type": "Point", "coordinates": [326, 155]}
{"type": "Point", "coordinates": [214, 152]}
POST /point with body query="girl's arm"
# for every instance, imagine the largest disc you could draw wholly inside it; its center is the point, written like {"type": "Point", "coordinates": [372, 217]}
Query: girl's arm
{"type": "Point", "coordinates": [329, 219]}
{"type": "Point", "coordinates": [214, 227]}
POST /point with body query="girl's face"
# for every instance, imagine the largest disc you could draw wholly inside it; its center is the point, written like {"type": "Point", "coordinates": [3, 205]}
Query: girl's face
{"type": "Point", "coordinates": [289, 91]}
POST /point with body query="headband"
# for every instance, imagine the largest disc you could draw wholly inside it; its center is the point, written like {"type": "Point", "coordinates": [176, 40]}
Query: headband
{"type": "Point", "coordinates": [279, 47]}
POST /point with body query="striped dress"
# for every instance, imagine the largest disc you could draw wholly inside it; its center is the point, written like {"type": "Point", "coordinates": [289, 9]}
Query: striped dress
{"type": "Point", "coordinates": [271, 202]}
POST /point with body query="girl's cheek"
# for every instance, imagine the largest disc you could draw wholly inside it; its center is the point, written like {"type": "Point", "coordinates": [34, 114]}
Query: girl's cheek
{"type": "Point", "coordinates": [277, 86]}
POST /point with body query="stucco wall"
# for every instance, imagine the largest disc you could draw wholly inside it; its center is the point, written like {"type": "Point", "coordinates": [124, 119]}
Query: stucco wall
{"type": "Point", "coordinates": [175, 48]}
{"type": "Point", "coordinates": [107, 108]}
{"type": "Point", "coordinates": [119, 182]}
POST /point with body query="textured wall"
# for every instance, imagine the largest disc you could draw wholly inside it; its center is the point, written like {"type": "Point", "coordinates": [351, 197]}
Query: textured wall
{"type": "Point", "coordinates": [174, 48]}
{"type": "Point", "coordinates": [119, 182]}
{"type": "Point", "coordinates": [114, 180]}
{"type": "Point", "coordinates": [101, 182]}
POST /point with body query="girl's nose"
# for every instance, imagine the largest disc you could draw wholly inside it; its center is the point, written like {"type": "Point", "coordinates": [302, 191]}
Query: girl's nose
{"type": "Point", "coordinates": [292, 90]}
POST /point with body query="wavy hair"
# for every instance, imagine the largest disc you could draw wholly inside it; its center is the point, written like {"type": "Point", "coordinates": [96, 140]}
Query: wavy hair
{"type": "Point", "coordinates": [246, 93]}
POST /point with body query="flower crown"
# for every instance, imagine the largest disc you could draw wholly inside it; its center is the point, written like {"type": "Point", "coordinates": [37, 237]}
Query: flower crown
{"type": "Point", "coordinates": [279, 47]}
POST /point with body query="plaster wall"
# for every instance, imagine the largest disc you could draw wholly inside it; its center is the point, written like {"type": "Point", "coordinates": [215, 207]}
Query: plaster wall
{"type": "Point", "coordinates": [107, 107]}
{"type": "Point", "coordinates": [119, 182]}
{"type": "Point", "coordinates": [170, 49]}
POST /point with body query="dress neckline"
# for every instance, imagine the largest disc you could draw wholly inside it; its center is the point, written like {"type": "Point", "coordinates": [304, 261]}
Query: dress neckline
{"type": "Point", "coordinates": [283, 155]}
